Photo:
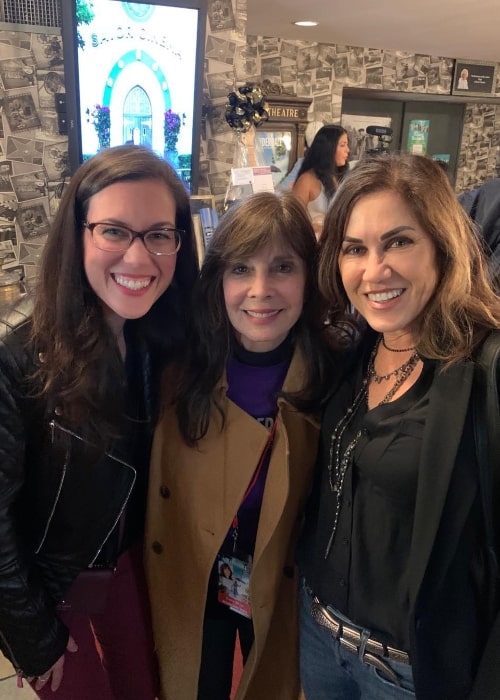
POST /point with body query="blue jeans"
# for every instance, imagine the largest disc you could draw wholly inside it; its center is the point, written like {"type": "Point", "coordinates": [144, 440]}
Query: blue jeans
{"type": "Point", "coordinates": [330, 672]}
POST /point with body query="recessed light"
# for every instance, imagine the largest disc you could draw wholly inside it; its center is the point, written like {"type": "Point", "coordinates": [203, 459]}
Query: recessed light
{"type": "Point", "coordinates": [306, 23]}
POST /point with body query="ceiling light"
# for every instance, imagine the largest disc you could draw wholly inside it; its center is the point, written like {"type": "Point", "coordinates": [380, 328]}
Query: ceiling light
{"type": "Point", "coordinates": [306, 23]}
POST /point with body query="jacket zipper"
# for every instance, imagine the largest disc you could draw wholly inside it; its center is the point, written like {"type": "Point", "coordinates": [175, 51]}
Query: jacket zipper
{"type": "Point", "coordinates": [59, 489]}
{"type": "Point", "coordinates": [13, 660]}
{"type": "Point", "coordinates": [54, 425]}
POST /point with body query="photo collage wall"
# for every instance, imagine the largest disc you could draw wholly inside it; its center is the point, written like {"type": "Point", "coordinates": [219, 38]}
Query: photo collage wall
{"type": "Point", "coordinates": [321, 71]}
{"type": "Point", "coordinates": [33, 156]}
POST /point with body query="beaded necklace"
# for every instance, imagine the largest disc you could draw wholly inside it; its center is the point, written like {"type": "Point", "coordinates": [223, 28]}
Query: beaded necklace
{"type": "Point", "coordinates": [396, 349]}
{"type": "Point", "coordinates": [338, 462]}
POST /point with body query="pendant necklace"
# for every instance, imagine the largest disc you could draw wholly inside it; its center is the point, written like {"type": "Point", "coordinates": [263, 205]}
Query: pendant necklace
{"type": "Point", "coordinates": [401, 374]}
{"type": "Point", "coordinates": [338, 462]}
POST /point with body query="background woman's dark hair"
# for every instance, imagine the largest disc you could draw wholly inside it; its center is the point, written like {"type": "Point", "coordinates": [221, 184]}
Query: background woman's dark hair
{"type": "Point", "coordinates": [263, 220]}
{"type": "Point", "coordinates": [320, 157]}
{"type": "Point", "coordinates": [81, 368]}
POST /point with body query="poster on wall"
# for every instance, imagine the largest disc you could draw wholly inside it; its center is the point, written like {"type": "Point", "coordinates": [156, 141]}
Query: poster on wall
{"type": "Point", "coordinates": [476, 78]}
{"type": "Point", "coordinates": [418, 136]}
{"type": "Point", "coordinates": [276, 148]}
{"type": "Point", "coordinates": [360, 141]}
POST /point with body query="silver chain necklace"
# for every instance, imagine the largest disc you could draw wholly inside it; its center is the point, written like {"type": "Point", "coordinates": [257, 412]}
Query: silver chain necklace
{"type": "Point", "coordinates": [338, 464]}
{"type": "Point", "coordinates": [401, 373]}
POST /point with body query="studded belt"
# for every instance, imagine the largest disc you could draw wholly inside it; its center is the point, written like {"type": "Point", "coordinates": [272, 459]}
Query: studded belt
{"type": "Point", "coordinates": [359, 642]}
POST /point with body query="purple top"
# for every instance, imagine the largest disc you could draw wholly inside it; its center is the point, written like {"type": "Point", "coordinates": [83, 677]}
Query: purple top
{"type": "Point", "coordinates": [254, 388]}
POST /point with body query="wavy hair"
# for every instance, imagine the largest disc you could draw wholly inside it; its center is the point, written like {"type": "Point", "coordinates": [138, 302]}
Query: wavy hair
{"type": "Point", "coordinates": [81, 368]}
{"type": "Point", "coordinates": [262, 220]}
{"type": "Point", "coordinates": [464, 306]}
{"type": "Point", "coordinates": [320, 158]}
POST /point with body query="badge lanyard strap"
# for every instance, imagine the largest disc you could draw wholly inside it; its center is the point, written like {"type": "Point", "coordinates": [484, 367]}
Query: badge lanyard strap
{"type": "Point", "coordinates": [255, 477]}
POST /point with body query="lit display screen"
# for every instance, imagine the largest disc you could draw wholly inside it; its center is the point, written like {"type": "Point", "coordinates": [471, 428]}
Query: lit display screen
{"type": "Point", "coordinates": [136, 78]}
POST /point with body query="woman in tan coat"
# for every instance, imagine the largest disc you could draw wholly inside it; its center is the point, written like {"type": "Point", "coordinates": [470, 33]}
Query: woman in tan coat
{"type": "Point", "coordinates": [233, 459]}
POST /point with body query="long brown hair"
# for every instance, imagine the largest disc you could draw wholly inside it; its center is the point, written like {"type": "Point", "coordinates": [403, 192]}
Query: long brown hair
{"type": "Point", "coordinates": [262, 220]}
{"type": "Point", "coordinates": [464, 305]}
{"type": "Point", "coordinates": [81, 370]}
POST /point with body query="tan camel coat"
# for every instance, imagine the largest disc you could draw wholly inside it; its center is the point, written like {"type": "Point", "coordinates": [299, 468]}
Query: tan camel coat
{"type": "Point", "coordinates": [193, 497]}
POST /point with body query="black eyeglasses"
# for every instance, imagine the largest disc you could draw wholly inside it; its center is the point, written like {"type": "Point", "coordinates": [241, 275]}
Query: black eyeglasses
{"type": "Point", "coordinates": [114, 238]}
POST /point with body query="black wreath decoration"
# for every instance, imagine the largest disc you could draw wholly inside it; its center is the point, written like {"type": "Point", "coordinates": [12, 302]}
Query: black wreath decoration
{"type": "Point", "coordinates": [247, 107]}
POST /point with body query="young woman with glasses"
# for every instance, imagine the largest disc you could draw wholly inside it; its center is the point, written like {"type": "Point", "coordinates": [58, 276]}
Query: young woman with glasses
{"type": "Point", "coordinates": [79, 375]}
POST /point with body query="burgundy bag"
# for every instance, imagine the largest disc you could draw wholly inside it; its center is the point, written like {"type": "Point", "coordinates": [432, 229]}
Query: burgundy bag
{"type": "Point", "coordinates": [88, 593]}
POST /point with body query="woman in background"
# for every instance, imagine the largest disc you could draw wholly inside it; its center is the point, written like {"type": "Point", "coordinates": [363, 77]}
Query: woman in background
{"type": "Point", "coordinates": [310, 132]}
{"type": "Point", "coordinates": [79, 377]}
{"type": "Point", "coordinates": [325, 163]}
{"type": "Point", "coordinates": [232, 460]}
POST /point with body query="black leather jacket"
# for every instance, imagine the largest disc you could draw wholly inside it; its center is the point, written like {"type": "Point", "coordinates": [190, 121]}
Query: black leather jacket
{"type": "Point", "coordinates": [60, 500]}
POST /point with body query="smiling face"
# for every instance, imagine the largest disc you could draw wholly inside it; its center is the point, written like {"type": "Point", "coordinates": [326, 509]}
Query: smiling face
{"type": "Point", "coordinates": [264, 296]}
{"type": "Point", "coordinates": [388, 265]}
{"type": "Point", "coordinates": [342, 151]}
{"type": "Point", "coordinates": [128, 283]}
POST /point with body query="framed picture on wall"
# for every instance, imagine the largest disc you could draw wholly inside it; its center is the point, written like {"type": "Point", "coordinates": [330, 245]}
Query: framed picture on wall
{"type": "Point", "coordinates": [475, 78]}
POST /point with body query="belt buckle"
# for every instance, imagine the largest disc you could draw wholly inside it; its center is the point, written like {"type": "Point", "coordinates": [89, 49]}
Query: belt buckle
{"type": "Point", "coordinates": [350, 639]}
{"type": "Point", "coordinates": [347, 637]}
{"type": "Point", "coordinates": [323, 617]}
{"type": "Point", "coordinates": [374, 652]}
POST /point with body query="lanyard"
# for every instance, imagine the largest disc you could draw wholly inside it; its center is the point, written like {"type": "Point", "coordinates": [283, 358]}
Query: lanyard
{"type": "Point", "coordinates": [255, 477]}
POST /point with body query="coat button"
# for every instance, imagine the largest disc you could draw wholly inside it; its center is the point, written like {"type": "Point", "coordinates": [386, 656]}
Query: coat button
{"type": "Point", "coordinates": [288, 571]}
{"type": "Point", "coordinates": [164, 491]}
{"type": "Point", "coordinates": [157, 547]}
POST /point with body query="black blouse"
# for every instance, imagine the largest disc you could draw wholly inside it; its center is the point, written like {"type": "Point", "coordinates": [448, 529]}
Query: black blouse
{"type": "Point", "coordinates": [364, 573]}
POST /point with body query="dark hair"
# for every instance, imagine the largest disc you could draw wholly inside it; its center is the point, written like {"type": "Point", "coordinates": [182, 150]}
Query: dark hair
{"type": "Point", "coordinates": [464, 305]}
{"type": "Point", "coordinates": [262, 220]}
{"type": "Point", "coordinates": [81, 369]}
{"type": "Point", "coordinates": [320, 157]}
{"type": "Point", "coordinates": [225, 568]}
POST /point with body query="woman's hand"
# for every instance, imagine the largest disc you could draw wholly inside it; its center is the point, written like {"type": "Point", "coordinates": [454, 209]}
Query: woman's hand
{"type": "Point", "coordinates": [56, 671]}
